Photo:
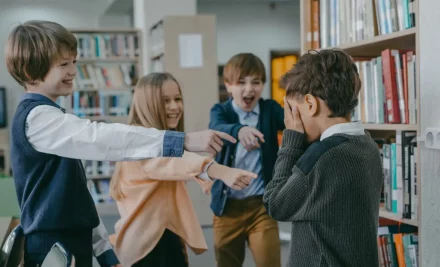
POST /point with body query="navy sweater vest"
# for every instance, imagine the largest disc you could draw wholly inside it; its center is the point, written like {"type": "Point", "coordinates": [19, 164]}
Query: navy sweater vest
{"type": "Point", "coordinates": [52, 190]}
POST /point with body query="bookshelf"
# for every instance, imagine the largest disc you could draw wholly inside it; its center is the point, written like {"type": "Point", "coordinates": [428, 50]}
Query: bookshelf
{"type": "Point", "coordinates": [109, 63]}
{"type": "Point", "coordinates": [390, 127]}
{"type": "Point", "coordinates": [362, 33]}
{"type": "Point", "coordinates": [186, 47]}
{"type": "Point", "coordinates": [404, 39]}
{"type": "Point", "coordinates": [391, 216]}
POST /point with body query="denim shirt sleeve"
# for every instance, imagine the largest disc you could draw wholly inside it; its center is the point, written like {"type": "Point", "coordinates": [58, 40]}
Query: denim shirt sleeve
{"type": "Point", "coordinates": [173, 144]}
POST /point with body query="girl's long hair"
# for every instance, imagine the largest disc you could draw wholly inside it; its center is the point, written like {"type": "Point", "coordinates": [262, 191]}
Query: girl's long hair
{"type": "Point", "coordinates": [147, 110]}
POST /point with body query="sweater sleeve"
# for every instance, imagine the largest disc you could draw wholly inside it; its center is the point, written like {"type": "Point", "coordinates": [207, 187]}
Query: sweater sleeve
{"type": "Point", "coordinates": [51, 131]}
{"type": "Point", "coordinates": [219, 122]}
{"type": "Point", "coordinates": [188, 167]}
{"type": "Point", "coordinates": [287, 190]}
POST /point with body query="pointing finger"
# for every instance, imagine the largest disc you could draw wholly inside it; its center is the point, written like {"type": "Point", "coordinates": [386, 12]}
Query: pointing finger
{"type": "Point", "coordinates": [225, 136]}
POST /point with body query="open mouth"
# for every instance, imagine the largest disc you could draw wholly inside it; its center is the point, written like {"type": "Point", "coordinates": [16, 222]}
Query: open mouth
{"type": "Point", "coordinates": [248, 99]}
{"type": "Point", "coordinates": [172, 116]}
{"type": "Point", "coordinates": [69, 82]}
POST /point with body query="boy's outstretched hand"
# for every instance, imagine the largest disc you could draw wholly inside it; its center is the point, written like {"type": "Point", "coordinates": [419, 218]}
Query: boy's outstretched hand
{"type": "Point", "coordinates": [292, 120]}
{"type": "Point", "coordinates": [232, 177]}
{"type": "Point", "coordinates": [249, 138]}
{"type": "Point", "coordinates": [208, 141]}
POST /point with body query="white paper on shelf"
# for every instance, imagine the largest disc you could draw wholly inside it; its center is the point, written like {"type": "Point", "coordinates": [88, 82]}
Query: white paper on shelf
{"type": "Point", "coordinates": [190, 50]}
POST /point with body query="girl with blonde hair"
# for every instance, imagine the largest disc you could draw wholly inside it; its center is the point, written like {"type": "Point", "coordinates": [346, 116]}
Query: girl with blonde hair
{"type": "Point", "coordinates": [157, 217]}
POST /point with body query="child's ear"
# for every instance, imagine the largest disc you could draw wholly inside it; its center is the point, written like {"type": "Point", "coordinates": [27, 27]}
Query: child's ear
{"type": "Point", "coordinates": [312, 104]}
{"type": "Point", "coordinates": [228, 87]}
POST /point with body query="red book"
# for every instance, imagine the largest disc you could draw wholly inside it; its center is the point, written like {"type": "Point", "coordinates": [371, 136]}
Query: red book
{"type": "Point", "coordinates": [389, 78]}
{"type": "Point", "coordinates": [405, 86]}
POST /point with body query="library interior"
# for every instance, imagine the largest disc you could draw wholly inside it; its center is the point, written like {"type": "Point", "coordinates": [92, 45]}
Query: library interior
{"type": "Point", "coordinates": [120, 41]}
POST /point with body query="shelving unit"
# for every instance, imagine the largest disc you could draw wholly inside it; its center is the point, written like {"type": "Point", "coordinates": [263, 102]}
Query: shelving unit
{"type": "Point", "coordinates": [405, 39]}
{"type": "Point", "coordinates": [369, 46]}
{"type": "Point", "coordinates": [390, 127]}
{"type": "Point", "coordinates": [108, 66]}
{"type": "Point", "coordinates": [391, 216]}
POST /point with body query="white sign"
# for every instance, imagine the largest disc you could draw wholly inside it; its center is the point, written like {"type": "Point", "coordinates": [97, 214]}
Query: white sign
{"type": "Point", "coordinates": [190, 50]}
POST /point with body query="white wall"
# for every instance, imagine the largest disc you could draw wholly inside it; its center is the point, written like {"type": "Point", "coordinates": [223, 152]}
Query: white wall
{"type": "Point", "coordinates": [69, 14]}
{"type": "Point", "coordinates": [254, 28]}
{"type": "Point", "coordinates": [115, 21]}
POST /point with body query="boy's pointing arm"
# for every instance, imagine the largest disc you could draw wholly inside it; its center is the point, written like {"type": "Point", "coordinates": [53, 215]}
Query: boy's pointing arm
{"type": "Point", "coordinates": [51, 131]}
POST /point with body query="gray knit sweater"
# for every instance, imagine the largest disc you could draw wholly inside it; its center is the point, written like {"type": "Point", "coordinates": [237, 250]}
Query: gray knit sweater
{"type": "Point", "coordinates": [331, 193]}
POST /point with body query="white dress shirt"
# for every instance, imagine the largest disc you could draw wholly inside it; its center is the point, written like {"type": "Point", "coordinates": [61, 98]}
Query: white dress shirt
{"type": "Point", "coordinates": [49, 130]}
{"type": "Point", "coordinates": [350, 128]}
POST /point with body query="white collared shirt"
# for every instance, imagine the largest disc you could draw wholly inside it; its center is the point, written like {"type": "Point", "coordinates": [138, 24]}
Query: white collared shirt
{"type": "Point", "coordinates": [51, 131]}
{"type": "Point", "coordinates": [350, 128]}
{"type": "Point", "coordinates": [248, 160]}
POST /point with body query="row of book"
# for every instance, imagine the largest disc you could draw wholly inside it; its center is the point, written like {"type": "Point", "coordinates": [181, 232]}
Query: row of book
{"type": "Point", "coordinates": [90, 76]}
{"type": "Point", "coordinates": [108, 46]}
{"type": "Point", "coordinates": [388, 93]}
{"type": "Point", "coordinates": [398, 247]}
{"type": "Point", "coordinates": [93, 103]}
{"type": "Point", "coordinates": [95, 168]}
{"type": "Point", "coordinates": [99, 174]}
{"type": "Point", "coordinates": [395, 15]}
{"type": "Point", "coordinates": [336, 22]}
{"type": "Point", "coordinates": [399, 157]}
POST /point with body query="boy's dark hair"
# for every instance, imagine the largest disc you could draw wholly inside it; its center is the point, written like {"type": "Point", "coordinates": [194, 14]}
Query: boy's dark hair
{"type": "Point", "coordinates": [33, 47]}
{"type": "Point", "coordinates": [328, 74]}
{"type": "Point", "coordinates": [242, 65]}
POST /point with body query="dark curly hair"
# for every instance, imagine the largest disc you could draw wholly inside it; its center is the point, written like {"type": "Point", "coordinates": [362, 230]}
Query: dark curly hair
{"type": "Point", "coordinates": [329, 74]}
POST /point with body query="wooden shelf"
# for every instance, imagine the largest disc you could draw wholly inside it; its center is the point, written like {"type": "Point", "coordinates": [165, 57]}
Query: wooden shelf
{"type": "Point", "coordinates": [106, 60]}
{"type": "Point", "coordinates": [107, 209]}
{"type": "Point", "coordinates": [395, 217]}
{"type": "Point", "coordinates": [391, 127]}
{"type": "Point", "coordinates": [373, 47]}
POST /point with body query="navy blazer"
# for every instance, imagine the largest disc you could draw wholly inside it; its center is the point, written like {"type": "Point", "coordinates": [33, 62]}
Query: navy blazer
{"type": "Point", "coordinates": [225, 119]}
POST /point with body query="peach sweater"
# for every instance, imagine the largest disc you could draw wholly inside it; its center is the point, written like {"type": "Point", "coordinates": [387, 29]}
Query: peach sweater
{"type": "Point", "coordinates": [156, 198]}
